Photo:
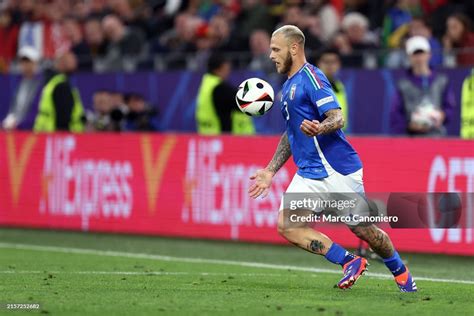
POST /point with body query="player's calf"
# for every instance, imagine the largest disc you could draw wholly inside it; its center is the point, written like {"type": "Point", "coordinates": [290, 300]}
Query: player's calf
{"type": "Point", "coordinates": [302, 235]}
{"type": "Point", "coordinates": [376, 238]}
{"type": "Point", "coordinates": [382, 245]}
{"type": "Point", "coordinates": [307, 239]}
{"type": "Point", "coordinates": [318, 243]}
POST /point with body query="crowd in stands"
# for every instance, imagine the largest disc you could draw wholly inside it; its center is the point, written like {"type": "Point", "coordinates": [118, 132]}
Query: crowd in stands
{"type": "Point", "coordinates": [113, 111]}
{"type": "Point", "coordinates": [128, 35]}
{"type": "Point", "coordinates": [45, 41]}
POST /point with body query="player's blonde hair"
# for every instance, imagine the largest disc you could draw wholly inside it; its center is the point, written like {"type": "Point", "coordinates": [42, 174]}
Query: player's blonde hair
{"type": "Point", "coordinates": [291, 33]}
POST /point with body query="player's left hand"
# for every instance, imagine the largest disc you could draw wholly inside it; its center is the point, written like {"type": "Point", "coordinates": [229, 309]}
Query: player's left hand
{"type": "Point", "coordinates": [261, 186]}
{"type": "Point", "coordinates": [310, 128]}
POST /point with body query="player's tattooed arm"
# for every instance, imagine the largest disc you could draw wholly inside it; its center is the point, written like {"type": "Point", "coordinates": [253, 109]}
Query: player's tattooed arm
{"type": "Point", "coordinates": [282, 154]}
{"type": "Point", "coordinates": [333, 121]}
{"type": "Point", "coordinates": [263, 177]}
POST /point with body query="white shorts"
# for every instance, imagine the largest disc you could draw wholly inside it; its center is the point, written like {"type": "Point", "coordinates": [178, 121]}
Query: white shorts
{"type": "Point", "coordinates": [336, 182]}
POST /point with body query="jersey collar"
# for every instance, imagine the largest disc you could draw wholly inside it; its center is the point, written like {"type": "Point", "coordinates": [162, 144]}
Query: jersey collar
{"type": "Point", "coordinates": [299, 70]}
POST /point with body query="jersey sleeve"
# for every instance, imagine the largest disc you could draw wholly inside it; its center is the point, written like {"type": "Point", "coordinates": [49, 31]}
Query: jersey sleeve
{"type": "Point", "coordinates": [322, 98]}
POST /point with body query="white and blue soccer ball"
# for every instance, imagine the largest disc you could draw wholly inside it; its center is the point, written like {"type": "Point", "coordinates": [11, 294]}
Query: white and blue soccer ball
{"type": "Point", "coordinates": [255, 97]}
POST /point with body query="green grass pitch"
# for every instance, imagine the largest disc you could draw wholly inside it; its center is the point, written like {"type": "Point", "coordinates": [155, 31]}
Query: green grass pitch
{"type": "Point", "coordinates": [98, 274]}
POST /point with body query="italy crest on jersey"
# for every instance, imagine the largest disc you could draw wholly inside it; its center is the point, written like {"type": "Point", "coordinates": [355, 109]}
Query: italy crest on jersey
{"type": "Point", "coordinates": [292, 92]}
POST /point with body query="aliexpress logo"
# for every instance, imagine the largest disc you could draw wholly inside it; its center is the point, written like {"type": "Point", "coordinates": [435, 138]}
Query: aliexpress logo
{"type": "Point", "coordinates": [154, 164]}
{"type": "Point", "coordinates": [17, 161]}
{"type": "Point", "coordinates": [155, 168]}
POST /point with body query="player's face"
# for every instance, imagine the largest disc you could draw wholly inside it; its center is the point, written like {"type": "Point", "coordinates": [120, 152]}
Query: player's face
{"type": "Point", "coordinates": [280, 54]}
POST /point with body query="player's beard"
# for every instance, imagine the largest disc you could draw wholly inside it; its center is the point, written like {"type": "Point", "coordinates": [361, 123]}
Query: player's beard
{"type": "Point", "coordinates": [287, 64]}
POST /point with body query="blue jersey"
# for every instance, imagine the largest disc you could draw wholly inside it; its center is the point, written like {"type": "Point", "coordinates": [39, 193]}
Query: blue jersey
{"type": "Point", "coordinates": [308, 95]}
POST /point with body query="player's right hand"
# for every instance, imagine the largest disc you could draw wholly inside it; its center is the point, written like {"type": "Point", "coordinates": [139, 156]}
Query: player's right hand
{"type": "Point", "coordinates": [310, 128]}
{"type": "Point", "coordinates": [261, 186]}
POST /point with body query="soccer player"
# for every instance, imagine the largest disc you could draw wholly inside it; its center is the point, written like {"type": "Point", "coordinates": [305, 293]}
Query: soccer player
{"type": "Point", "coordinates": [326, 161]}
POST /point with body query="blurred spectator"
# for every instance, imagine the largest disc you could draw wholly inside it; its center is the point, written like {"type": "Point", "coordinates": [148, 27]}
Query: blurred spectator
{"type": "Point", "coordinates": [429, 6]}
{"type": "Point", "coordinates": [60, 107]}
{"type": "Point", "coordinates": [94, 37]}
{"type": "Point", "coordinates": [441, 10]}
{"type": "Point", "coordinates": [208, 9]}
{"type": "Point", "coordinates": [467, 107]}
{"type": "Point", "coordinates": [27, 9]}
{"type": "Point", "coordinates": [329, 62]}
{"type": "Point", "coordinates": [293, 16]}
{"type": "Point", "coordinates": [150, 18]}
{"type": "Point", "coordinates": [41, 27]}
{"type": "Point", "coordinates": [122, 9]}
{"type": "Point", "coordinates": [80, 10]}
{"type": "Point", "coordinates": [27, 92]}
{"type": "Point", "coordinates": [31, 34]}
{"type": "Point", "coordinates": [98, 9]}
{"type": "Point", "coordinates": [180, 37]}
{"type": "Point", "coordinates": [328, 19]}
{"type": "Point", "coordinates": [372, 9]}
{"type": "Point", "coordinates": [125, 47]}
{"type": "Point", "coordinates": [216, 110]}
{"type": "Point", "coordinates": [219, 33]}
{"type": "Point", "coordinates": [254, 15]}
{"type": "Point", "coordinates": [396, 21]}
{"type": "Point", "coordinates": [8, 39]}
{"type": "Point", "coordinates": [78, 45]}
{"type": "Point", "coordinates": [260, 50]}
{"type": "Point", "coordinates": [140, 116]}
{"type": "Point", "coordinates": [424, 101]}
{"type": "Point", "coordinates": [420, 27]}
{"type": "Point", "coordinates": [308, 23]}
{"type": "Point", "coordinates": [460, 37]}
{"type": "Point", "coordinates": [118, 101]}
{"type": "Point", "coordinates": [356, 43]}
{"type": "Point", "coordinates": [417, 27]}
{"type": "Point", "coordinates": [312, 31]}
{"type": "Point", "coordinates": [54, 38]}
{"type": "Point", "coordinates": [131, 26]}
{"type": "Point", "coordinates": [119, 109]}
{"type": "Point", "coordinates": [100, 119]}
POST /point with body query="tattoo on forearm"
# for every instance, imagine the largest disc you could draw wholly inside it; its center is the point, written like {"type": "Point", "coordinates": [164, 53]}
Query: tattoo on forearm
{"type": "Point", "coordinates": [316, 246]}
{"type": "Point", "coordinates": [282, 154]}
{"type": "Point", "coordinates": [332, 122]}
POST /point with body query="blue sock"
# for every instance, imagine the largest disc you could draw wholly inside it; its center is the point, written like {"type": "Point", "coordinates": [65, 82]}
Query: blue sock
{"type": "Point", "coordinates": [337, 254]}
{"type": "Point", "coordinates": [395, 264]}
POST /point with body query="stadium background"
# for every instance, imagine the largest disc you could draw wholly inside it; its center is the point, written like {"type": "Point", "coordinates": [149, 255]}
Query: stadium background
{"type": "Point", "coordinates": [176, 183]}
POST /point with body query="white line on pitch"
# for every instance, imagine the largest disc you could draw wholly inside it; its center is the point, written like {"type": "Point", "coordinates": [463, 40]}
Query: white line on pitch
{"type": "Point", "coordinates": [145, 273]}
{"type": "Point", "coordinates": [110, 253]}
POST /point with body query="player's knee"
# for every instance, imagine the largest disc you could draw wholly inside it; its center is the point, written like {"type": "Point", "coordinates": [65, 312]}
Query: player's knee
{"type": "Point", "coordinates": [286, 227]}
{"type": "Point", "coordinates": [284, 230]}
{"type": "Point", "coordinates": [281, 224]}
{"type": "Point", "coordinates": [281, 229]}
{"type": "Point", "coordinates": [288, 233]}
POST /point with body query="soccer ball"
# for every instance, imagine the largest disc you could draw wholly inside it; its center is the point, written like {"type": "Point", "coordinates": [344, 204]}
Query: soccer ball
{"type": "Point", "coordinates": [254, 97]}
